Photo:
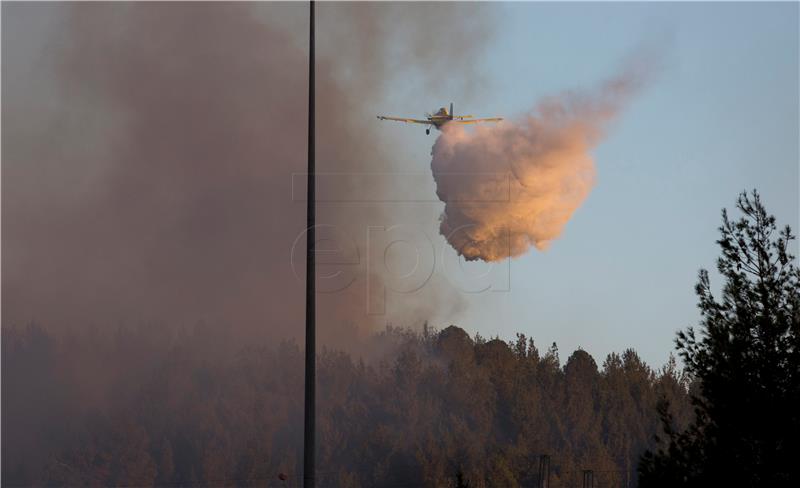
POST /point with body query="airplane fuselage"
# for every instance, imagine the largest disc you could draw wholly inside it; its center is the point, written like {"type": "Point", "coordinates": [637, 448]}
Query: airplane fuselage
{"type": "Point", "coordinates": [440, 118]}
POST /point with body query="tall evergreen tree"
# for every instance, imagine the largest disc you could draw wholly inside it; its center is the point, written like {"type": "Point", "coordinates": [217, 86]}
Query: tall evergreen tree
{"type": "Point", "coordinates": [746, 361]}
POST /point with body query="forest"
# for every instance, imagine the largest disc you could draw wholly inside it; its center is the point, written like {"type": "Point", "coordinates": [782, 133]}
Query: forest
{"type": "Point", "coordinates": [185, 411]}
{"type": "Point", "coordinates": [152, 405]}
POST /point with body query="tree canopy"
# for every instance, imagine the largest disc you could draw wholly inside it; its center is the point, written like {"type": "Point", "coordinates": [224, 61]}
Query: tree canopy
{"type": "Point", "coordinates": [746, 362]}
{"type": "Point", "coordinates": [441, 409]}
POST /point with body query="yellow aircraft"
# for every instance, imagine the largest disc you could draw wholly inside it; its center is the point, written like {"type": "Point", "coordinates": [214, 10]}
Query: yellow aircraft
{"type": "Point", "coordinates": [441, 118]}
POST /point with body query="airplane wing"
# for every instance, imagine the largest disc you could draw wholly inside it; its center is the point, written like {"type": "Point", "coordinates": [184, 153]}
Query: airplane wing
{"type": "Point", "coordinates": [400, 119]}
{"type": "Point", "coordinates": [475, 121]}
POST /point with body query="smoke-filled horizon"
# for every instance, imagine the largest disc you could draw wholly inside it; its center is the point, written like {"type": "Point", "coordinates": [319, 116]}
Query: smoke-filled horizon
{"type": "Point", "coordinates": [515, 185]}
{"type": "Point", "coordinates": [148, 157]}
{"type": "Point", "coordinates": [148, 160]}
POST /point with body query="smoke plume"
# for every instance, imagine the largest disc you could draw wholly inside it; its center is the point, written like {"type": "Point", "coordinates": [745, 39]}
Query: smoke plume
{"type": "Point", "coordinates": [514, 185]}
{"type": "Point", "coordinates": [148, 157]}
{"type": "Point", "coordinates": [149, 154]}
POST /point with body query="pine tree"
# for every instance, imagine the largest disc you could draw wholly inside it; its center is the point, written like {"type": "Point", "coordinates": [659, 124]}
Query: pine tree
{"type": "Point", "coordinates": [746, 359]}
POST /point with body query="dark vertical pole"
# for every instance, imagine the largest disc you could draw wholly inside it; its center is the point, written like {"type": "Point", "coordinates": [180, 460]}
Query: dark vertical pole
{"type": "Point", "coordinates": [309, 436]}
{"type": "Point", "coordinates": [588, 478]}
{"type": "Point", "coordinates": [544, 471]}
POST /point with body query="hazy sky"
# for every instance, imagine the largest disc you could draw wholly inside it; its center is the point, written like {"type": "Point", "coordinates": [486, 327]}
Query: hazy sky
{"type": "Point", "coordinates": [721, 116]}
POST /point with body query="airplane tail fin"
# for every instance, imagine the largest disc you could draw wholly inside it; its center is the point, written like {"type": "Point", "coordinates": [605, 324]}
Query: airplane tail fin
{"type": "Point", "coordinates": [451, 109]}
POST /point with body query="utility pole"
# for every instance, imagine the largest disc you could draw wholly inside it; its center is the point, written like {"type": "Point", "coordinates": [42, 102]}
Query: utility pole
{"type": "Point", "coordinates": [309, 427]}
{"type": "Point", "coordinates": [588, 478]}
{"type": "Point", "coordinates": [544, 471]}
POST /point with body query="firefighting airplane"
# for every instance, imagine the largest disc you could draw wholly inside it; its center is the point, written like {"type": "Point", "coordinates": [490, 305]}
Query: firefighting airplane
{"type": "Point", "coordinates": [441, 118]}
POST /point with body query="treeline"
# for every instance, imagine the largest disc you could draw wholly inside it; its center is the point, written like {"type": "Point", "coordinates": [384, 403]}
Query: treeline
{"type": "Point", "coordinates": [140, 407]}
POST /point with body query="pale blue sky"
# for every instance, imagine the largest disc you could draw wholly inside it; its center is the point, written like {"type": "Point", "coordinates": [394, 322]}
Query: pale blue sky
{"type": "Point", "coordinates": [722, 116]}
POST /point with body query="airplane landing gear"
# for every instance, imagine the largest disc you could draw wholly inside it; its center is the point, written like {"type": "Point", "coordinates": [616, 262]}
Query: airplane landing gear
{"type": "Point", "coordinates": [427, 132]}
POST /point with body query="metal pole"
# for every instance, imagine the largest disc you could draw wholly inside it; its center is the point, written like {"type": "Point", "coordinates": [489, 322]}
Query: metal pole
{"type": "Point", "coordinates": [588, 478]}
{"type": "Point", "coordinates": [544, 471]}
{"type": "Point", "coordinates": [309, 432]}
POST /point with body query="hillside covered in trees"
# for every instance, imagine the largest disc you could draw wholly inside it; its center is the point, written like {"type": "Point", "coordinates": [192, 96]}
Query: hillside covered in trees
{"type": "Point", "coordinates": [135, 408]}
